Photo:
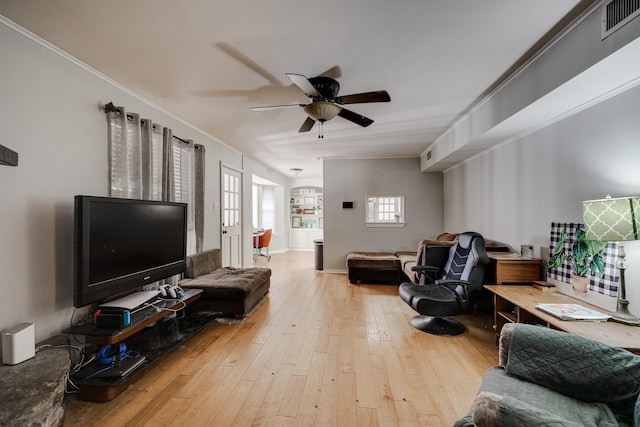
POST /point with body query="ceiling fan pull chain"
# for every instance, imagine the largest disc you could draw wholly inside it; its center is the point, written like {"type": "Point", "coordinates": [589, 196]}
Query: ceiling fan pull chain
{"type": "Point", "coordinates": [320, 130]}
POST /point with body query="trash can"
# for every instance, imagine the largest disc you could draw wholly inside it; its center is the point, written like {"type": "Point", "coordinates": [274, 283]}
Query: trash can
{"type": "Point", "coordinates": [318, 244]}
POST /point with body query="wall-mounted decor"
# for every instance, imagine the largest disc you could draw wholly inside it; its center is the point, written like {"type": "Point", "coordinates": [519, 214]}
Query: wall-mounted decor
{"type": "Point", "coordinates": [580, 266]}
{"type": "Point", "coordinates": [8, 157]}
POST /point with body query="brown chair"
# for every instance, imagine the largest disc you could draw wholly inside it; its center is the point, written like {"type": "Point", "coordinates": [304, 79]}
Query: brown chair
{"type": "Point", "coordinates": [262, 240]}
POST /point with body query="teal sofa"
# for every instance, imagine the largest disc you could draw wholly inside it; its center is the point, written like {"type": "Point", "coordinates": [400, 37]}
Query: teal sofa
{"type": "Point", "coordinates": [547, 377]}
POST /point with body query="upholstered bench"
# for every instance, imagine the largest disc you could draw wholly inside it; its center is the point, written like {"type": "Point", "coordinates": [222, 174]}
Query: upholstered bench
{"type": "Point", "coordinates": [231, 291]}
{"type": "Point", "coordinates": [374, 267]}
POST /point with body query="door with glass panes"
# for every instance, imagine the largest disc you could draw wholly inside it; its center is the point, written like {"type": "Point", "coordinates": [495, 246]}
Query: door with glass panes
{"type": "Point", "coordinates": [231, 217]}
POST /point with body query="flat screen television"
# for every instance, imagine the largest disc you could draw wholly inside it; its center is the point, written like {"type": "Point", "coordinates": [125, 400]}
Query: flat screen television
{"type": "Point", "coordinates": [123, 244]}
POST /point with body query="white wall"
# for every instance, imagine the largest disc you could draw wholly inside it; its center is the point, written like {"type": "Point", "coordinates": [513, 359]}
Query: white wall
{"type": "Point", "coordinates": [569, 73]}
{"type": "Point", "coordinates": [354, 180]}
{"type": "Point", "coordinates": [512, 194]}
{"type": "Point", "coordinates": [49, 114]}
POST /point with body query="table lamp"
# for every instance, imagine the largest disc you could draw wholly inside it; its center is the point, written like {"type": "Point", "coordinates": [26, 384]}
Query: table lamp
{"type": "Point", "coordinates": [615, 220]}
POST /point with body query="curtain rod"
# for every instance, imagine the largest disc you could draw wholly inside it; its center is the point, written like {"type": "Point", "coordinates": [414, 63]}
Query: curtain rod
{"type": "Point", "coordinates": [110, 107]}
{"type": "Point", "coordinates": [182, 140]}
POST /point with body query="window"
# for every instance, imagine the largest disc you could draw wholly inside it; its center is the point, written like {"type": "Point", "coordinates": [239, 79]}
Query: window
{"type": "Point", "coordinates": [264, 207]}
{"type": "Point", "coordinates": [385, 211]}
{"type": "Point", "coordinates": [268, 208]}
{"type": "Point", "coordinates": [147, 162]}
{"type": "Point", "coordinates": [125, 155]}
{"type": "Point", "coordinates": [184, 181]}
{"type": "Point", "coordinates": [155, 157]}
{"type": "Point", "coordinates": [231, 203]}
{"type": "Point", "coordinates": [255, 206]}
{"type": "Point", "coordinates": [183, 171]}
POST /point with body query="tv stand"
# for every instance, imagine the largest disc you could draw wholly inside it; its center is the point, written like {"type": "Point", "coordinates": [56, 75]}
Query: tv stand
{"type": "Point", "coordinates": [152, 334]}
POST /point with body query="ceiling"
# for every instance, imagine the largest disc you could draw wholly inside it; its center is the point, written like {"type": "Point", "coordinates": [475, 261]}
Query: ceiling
{"type": "Point", "coordinates": [208, 62]}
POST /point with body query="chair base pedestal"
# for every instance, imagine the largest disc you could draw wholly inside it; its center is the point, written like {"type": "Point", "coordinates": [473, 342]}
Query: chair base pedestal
{"type": "Point", "coordinates": [257, 253]}
{"type": "Point", "coordinates": [444, 326]}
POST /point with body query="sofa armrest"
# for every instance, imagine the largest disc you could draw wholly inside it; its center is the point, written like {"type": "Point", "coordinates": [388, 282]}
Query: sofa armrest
{"type": "Point", "coordinates": [504, 342]}
{"type": "Point", "coordinates": [203, 263]}
{"type": "Point", "coordinates": [493, 410]}
{"type": "Point", "coordinates": [579, 367]}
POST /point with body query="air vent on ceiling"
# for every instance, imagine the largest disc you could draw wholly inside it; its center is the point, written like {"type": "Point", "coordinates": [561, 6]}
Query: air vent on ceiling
{"type": "Point", "coordinates": [428, 155]}
{"type": "Point", "coordinates": [617, 13]}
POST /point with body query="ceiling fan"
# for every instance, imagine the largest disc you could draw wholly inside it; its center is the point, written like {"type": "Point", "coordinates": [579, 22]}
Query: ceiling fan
{"type": "Point", "coordinates": [325, 103]}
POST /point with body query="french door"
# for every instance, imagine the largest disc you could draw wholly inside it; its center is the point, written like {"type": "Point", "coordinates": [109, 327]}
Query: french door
{"type": "Point", "coordinates": [231, 217]}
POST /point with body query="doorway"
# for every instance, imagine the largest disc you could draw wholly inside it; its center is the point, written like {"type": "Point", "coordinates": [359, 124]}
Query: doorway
{"type": "Point", "coordinates": [231, 217]}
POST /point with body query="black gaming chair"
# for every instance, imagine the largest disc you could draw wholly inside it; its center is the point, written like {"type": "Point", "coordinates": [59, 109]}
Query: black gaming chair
{"type": "Point", "coordinates": [455, 292]}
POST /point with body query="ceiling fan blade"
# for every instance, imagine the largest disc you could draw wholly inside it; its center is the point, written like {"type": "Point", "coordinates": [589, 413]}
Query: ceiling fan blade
{"type": "Point", "coordinates": [303, 83]}
{"type": "Point", "coordinates": [276, 107]}
{"type": "Point", "coordinates": [248, 62]}
{"type": "Point", "coordinates": [307, 125]}
{"type": "Point", "coordinates": [333, 72]}
{"type": "Point", "coordinates": [355, 117]}
{"type": "Point", "coordinates": [359, 98]}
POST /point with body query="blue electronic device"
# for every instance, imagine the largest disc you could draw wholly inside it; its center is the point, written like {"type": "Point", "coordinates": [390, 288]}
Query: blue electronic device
{"type": "Point", "coordinates": [126, 318]}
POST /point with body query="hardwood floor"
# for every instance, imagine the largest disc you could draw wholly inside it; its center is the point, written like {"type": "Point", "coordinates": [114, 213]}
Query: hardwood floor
{"type": "Point", "coordinates": [318, 351]}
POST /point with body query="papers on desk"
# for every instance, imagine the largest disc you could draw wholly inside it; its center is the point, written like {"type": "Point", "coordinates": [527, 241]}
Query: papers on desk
{"type": "Point", "coordinates": [573, 312]}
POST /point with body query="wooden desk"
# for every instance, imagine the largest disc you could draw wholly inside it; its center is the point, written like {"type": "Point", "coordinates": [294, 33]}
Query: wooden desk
{"type": "Point", "coordinates": [508, 268]}
{"type": "Point", "coordinates": [517, 304]}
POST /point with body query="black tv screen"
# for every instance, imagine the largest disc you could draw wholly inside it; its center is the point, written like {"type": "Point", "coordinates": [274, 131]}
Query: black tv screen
{"type": "Point", "coordinates": [123, 244]}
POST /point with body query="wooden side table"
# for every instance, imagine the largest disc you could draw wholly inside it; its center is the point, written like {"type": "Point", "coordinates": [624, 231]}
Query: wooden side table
{"type": "Point", "coordinates": [512, 268]}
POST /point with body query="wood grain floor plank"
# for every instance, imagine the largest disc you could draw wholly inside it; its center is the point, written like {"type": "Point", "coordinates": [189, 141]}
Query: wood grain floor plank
{"type": "Point", "coordinates": [318, 351]}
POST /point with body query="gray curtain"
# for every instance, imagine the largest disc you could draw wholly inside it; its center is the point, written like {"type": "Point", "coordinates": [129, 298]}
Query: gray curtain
{"type": "Point", "coordinates": [168, 173]}
{"type": "Point", "coordinates": [198, 191]}
{"type": "Point", "coordinates": [151, 146]}
{"type": "Point", "coordinates": [125, 154]}
{"type": "Point", "coordinates": [147, 162]}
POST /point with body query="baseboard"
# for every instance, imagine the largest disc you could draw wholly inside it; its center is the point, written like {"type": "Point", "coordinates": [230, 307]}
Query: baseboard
{"type": "Point", "coordinates": [330, 271]}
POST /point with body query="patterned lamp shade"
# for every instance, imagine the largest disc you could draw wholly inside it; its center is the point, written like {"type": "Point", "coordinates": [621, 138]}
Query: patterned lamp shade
{"type": "Point", "coordinates": [610, 219]}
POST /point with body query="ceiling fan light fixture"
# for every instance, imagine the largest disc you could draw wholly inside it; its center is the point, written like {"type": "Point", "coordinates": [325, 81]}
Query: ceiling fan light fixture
{"type": "Point", "coordinates": [322, 111]}
{"type": "Point", "coordinates": [295, 171]}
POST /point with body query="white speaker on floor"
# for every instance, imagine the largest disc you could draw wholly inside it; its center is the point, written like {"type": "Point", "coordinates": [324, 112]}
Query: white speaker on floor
{"type": "Point", "coordinates": [18, 344]}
